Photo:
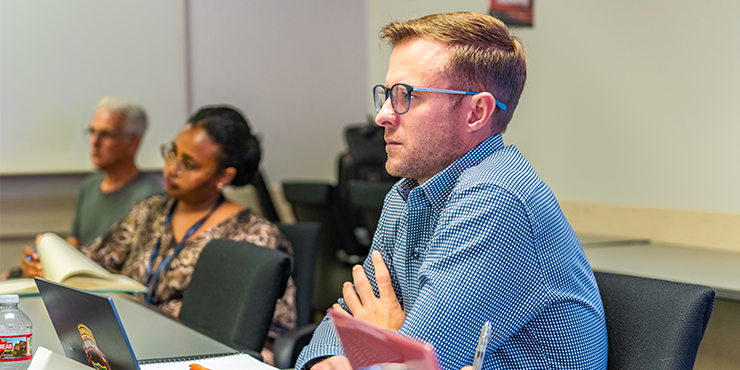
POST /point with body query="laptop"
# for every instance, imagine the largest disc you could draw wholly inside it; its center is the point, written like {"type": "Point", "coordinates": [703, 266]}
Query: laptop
{"type": "Point", "coordinates": [88, 326]}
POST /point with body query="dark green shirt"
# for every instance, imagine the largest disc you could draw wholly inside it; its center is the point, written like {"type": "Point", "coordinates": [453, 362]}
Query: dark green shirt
{"type": "Point", "coordinates": [97, 211]}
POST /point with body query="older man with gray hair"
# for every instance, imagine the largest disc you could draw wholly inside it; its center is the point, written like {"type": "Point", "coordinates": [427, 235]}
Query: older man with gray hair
{"type": "Point", "coordinates": [106, 196]}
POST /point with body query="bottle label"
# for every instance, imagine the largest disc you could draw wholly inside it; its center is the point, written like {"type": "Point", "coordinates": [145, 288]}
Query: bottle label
{"type": "Point", "coordinates": [16, 348]}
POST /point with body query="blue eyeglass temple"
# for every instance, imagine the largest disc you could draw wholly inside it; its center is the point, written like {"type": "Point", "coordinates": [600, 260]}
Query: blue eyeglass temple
{"type": "Point", "coordinates": [499, 104]}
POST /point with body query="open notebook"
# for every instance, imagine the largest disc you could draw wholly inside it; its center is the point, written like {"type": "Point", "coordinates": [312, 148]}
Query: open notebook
{"type": "Point", "coordinates": [91, 333]}
{"type": "Point", "coordinates": [64, 264]}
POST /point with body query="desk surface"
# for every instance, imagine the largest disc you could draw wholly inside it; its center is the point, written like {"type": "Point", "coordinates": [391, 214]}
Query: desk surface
{"type": "Point", "coordinates": [717, 269]}
{"type": "Point", "coordinates": [152, 335]}
{"type": "Point", "coordinates": [593, 239]}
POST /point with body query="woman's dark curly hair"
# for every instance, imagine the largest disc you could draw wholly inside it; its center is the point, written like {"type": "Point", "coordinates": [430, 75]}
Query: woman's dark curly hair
{"type": "Point", "coordinates": [229, 129]}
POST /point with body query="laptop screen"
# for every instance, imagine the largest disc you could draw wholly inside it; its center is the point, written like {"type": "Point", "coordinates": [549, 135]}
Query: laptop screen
{"type": "Point", "coordinates": [88, 327]}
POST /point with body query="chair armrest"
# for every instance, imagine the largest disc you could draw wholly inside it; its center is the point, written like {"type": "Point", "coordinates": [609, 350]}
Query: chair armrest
{"type": "Point", "coordinates": [289, 345]}
{"type": "Point", "coordinates": [254, 354]}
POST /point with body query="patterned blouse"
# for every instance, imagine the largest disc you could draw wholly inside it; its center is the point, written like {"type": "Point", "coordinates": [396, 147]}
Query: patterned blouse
{"type": "Point", "coordinates": [127, 247]}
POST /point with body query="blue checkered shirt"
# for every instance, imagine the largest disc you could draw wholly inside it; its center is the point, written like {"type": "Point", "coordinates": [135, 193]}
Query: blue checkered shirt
{"type": "Point", "coordinates": [485, 240]}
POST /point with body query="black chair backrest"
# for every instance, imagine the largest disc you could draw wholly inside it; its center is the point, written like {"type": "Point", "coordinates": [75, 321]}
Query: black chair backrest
{"type": "Point", "coordinates": [367, 151]}
{"type": "Point", "coordinates": [364, 162]}
{"type": "Point", "coordinates": [304, 237]}
{"type": "Point", "coordinates": [263, 197]}
{"type": "Point", "coordinates": [232, 293]}
{"type": "Point", "coordinates": [651, 323]}
{"type": "Point", "coordinates": [368, 197]}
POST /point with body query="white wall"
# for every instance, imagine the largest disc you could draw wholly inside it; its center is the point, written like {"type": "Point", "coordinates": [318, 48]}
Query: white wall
{"type": "Point", "coordinates": [635, 103]}
{"type": "Point", "coordinates": [627, 102]}
{"type": "Point", "coordinates": [297, 70]}
{"type": "Point", "coordinates": [57, 58]}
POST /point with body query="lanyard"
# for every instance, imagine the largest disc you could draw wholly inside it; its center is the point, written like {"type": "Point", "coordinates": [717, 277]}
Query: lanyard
{"type": "Point", "coordinates": [152, 279]}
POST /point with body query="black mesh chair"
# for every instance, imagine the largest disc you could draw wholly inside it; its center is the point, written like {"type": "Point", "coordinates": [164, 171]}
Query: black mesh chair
{"type": "Point", "coordinates": [232, 293]}
{"type": "Point", "coordinates": [653, 324]}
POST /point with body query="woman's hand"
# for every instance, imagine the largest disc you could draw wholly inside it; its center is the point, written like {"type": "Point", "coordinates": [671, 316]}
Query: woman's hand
{"type": "Point", "coordinates": [30, 264]}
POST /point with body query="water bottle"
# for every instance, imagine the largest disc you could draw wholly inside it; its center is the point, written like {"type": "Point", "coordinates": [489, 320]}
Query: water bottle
{"type": "Point", "coordinates": [16, 341]}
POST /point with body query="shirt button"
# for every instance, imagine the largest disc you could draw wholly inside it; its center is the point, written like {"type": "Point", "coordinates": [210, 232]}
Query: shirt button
{"type": "Point", "coordinates": [415, 255]}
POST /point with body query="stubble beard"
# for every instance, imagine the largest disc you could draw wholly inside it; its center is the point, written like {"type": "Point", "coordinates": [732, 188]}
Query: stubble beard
{"type": "Point", "coordinates": [423, 163]}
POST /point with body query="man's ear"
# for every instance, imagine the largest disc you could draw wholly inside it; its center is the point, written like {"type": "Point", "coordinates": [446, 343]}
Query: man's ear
{"type": "Point", "coordinates": [133, 144]}
{"type": "Point", "coordinates": [481, 109]}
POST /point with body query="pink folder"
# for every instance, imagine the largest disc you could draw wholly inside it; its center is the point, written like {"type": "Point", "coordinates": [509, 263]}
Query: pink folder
{"type": "Point", "coordinates": [366, 344]}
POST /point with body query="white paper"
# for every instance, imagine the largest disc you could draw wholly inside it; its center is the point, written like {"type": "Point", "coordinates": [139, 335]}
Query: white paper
{"type": "Point", "coordinates": [44, 359]}
{"type": "Point", "coordinates": [238, 361]}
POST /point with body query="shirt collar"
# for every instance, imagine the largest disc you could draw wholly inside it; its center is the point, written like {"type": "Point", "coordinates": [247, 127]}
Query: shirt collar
{"type": "Point", "coordinates": [440, 185]}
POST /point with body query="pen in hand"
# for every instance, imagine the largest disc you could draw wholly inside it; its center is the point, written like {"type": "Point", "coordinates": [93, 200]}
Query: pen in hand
{"type": "Point", "coordinates": [30, 257]}
{"type": "Point", "coordinates": [480, 350]}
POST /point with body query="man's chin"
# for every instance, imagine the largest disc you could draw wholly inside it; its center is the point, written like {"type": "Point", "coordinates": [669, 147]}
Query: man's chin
{"type": "Point", "coordinates": [394, 168]}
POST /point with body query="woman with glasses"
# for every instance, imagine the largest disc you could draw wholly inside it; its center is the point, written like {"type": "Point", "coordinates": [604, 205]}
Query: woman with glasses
{"type": "Point", "coordinates": [159, 241]}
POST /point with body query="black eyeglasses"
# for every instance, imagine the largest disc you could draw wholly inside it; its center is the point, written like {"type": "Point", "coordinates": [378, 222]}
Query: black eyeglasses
{"type": "Point", "coordinates": [400, 95]}
{"type": "Point", "coordinates": [183, 168]}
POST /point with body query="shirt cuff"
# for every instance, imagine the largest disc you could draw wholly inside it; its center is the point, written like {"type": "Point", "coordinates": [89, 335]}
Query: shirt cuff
{"type": "Point", "coordinates": [315, 361]}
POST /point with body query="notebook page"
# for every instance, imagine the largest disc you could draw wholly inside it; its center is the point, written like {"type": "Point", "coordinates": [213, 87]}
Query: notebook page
{"type": "Point", "coordinates": [239, 361]}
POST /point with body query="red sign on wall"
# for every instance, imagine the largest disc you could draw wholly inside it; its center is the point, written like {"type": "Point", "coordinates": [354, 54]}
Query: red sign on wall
{"type": "Point", "coordinates": [513, 12]}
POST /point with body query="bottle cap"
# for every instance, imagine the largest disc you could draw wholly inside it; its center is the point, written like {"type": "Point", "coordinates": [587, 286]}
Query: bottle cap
{"type": "Point", "coordinates": [9, 298]}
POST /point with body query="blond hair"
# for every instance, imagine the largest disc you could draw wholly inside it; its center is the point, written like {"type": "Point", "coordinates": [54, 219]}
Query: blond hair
{"type": "Point", "coordinates": [483, 56]}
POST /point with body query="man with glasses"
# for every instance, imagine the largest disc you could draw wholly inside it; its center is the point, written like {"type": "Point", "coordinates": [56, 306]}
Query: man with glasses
{"type": "Point", "coordinates": [470, 234]}
{"type": "Point", "coordinates": [106, 196]}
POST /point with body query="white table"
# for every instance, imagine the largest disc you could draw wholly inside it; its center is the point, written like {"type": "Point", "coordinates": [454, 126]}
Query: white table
{"type": "Point", "coordinates": [717, 269]}
{"type": "Point", "coordinates": [593, 239]}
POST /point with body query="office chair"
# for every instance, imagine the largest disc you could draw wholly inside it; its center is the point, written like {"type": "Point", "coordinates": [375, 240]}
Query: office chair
{"type": "Point", "coordinates": [368, 198]}
{"type": "Point", "coordinates": [263, 197]}
{"type": "Point", "coordinates": [331, 204]}
{"type": "Point", "coordinates": [322, 202]}
{"type": "Point", "coordinates": [651, 323]}
{"type": "Point", "coordinates": [314, 202]}
{"type": "Point", "coordinates": [233, 291]}
{"type": "Point", "coordinates": [288, 346]}
{"type": "Point", "coordinates": [304, 237]}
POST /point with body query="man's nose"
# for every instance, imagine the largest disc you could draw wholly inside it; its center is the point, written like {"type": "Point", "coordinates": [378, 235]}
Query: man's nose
{"type": "Point", "coordinates": [95, 139]}
{"type": "Point", "coordinates": [386, 116]}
